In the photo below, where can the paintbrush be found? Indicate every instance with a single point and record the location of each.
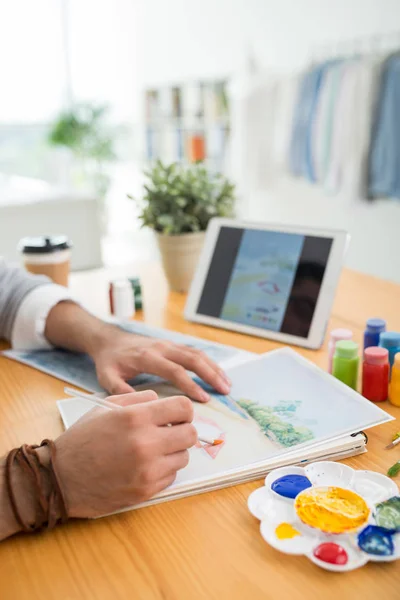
(105, 404)
(394, 442)
(90, 398)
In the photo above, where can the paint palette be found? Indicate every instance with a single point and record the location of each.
(338, 517)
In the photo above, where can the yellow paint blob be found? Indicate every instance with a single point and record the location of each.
(331, 509)
(285, 531)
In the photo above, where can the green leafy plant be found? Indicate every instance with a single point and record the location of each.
(182, 199)
(83, 130)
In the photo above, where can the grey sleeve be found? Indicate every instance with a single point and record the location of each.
(15, 284)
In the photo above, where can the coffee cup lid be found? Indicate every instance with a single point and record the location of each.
(44, 244)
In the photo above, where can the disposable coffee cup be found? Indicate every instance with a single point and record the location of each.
(48, 255)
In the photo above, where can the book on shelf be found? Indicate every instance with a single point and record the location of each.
(187, 122)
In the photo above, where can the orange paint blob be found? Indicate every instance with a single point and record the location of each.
(285, 531)
(332, 509)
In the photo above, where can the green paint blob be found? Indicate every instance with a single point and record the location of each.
(387, 514)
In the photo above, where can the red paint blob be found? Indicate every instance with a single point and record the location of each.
(331, 553)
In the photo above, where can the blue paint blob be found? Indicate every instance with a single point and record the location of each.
(290, 485)
(376, 540)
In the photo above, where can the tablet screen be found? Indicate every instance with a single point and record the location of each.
(265, 279)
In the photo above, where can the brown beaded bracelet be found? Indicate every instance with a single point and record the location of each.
(50, 508)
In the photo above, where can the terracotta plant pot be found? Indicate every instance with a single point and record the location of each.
(180, 255)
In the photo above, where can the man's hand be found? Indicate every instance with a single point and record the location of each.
(112, 459)
(121, 356)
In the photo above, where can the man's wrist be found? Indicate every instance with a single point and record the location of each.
(25, 494)
(8, 523)
(70, 326)
(100, 337)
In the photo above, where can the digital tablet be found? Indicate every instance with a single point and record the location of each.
(271, 281)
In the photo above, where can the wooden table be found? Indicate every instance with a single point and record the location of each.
(204, 547)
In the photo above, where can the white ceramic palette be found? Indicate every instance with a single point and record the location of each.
(368, 510)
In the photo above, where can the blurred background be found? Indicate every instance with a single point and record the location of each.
(93, 91)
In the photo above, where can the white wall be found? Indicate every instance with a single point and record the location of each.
(374, 227)
(183, 39)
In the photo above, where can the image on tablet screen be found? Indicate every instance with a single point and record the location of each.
(265, 279)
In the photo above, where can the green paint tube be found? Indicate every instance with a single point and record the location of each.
(137, 290)
(345, 362)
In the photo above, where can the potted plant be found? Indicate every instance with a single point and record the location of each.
(83, 130)
(178, 204)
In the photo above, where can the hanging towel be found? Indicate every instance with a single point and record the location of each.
(300, 158)
(340, 126)
(353, 162)
(384, 160)
(324, 118)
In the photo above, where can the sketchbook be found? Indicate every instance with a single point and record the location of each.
(282, 410)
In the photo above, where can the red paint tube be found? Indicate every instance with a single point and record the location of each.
(375, 380)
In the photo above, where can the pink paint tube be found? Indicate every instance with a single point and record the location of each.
(336, 336)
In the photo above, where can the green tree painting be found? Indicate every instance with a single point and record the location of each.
(274, 427)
